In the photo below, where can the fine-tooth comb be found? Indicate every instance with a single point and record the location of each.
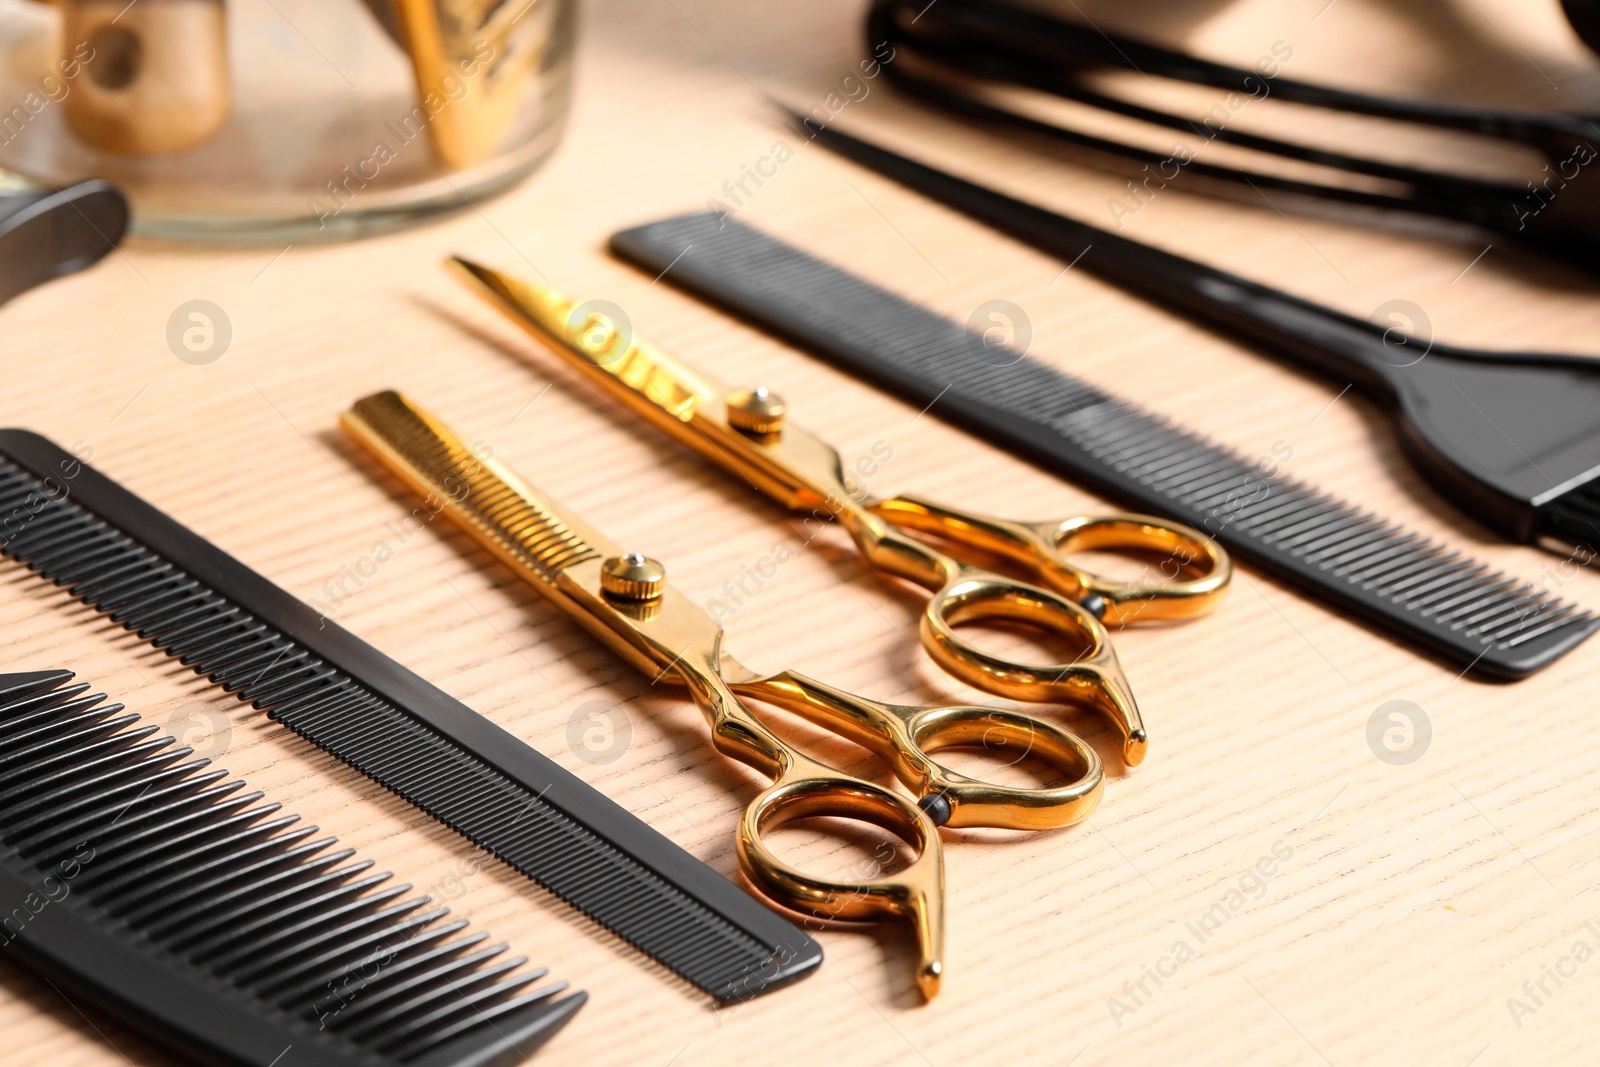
(203, 916)
(1441, 599)
(227, 623)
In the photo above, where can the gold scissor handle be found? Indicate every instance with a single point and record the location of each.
(906, 736)
(802, 788)
(1094, 680)
(1192, 570)
(809, 790)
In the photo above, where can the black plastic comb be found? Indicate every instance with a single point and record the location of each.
(1447, 602)
(124, 558)
(137, 878)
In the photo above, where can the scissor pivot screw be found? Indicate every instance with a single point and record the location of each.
(632, 577)
(936, 806)
(757, 411)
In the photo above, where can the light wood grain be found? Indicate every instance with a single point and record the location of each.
(1415, 900)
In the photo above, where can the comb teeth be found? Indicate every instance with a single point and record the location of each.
(474, 485)
(1454, 605)
(523, 810)
(1441, 589)
(297, 936)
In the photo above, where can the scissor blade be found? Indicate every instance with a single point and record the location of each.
(513, 520)
(794, 467)
(590, 338)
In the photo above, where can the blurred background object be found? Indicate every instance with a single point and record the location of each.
(987, 61)
(1585, 18)
(283, 120)
(46, 233)
(158, 82)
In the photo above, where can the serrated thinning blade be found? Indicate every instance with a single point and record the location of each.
(518, 522)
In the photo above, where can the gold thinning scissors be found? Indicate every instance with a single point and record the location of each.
(623, 599)
(745, 430)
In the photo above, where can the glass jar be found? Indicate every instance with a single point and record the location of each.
(283, 120)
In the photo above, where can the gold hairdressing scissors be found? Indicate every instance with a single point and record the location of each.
(623, 599)
(745, 430)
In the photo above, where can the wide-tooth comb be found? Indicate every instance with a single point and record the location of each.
(492, 498)
(203, 916)
(177, 591)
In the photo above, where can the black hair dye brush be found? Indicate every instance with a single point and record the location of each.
(1512, 438)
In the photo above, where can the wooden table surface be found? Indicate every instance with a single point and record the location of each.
(1409, 913)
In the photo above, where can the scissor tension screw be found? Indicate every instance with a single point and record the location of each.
(632, 577)
(755, 411)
